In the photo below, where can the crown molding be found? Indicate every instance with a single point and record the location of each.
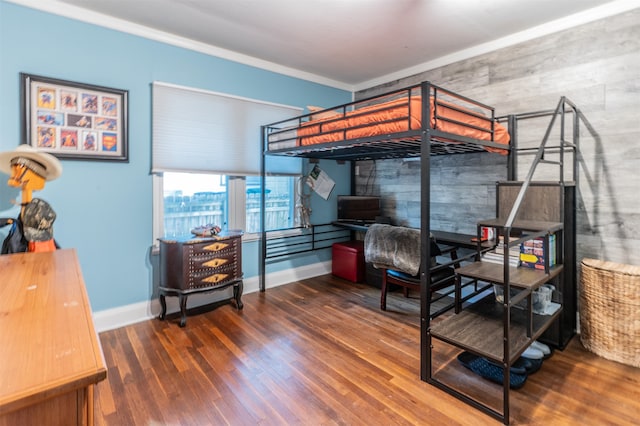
(77, 13)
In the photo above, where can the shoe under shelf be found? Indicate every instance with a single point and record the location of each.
(479, 328)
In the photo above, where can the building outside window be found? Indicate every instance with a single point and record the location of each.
(195, 199)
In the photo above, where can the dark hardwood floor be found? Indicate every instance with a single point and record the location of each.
(320, 352)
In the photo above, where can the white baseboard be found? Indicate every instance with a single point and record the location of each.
(121, 316)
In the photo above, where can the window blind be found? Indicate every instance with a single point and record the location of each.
(196, 130)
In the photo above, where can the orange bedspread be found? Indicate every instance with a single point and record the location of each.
(394, 117)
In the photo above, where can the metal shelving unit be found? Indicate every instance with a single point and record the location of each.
(502, 331)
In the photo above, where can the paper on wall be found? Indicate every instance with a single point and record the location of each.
(320, 182)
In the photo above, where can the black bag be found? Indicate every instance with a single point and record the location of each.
(15, 241)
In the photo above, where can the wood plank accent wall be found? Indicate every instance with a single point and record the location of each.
(597, 66)
(462, 189)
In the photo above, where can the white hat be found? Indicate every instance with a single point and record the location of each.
(52, 166)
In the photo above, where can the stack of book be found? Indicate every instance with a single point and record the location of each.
(494, 257)
(497, 255)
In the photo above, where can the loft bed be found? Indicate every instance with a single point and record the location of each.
(398, 124)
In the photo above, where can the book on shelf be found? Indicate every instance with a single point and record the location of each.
(513, 251)
(498, 258)
(532, 253)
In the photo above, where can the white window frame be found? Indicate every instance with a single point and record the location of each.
(237, 202)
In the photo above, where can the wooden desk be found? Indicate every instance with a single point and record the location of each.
(50, 355)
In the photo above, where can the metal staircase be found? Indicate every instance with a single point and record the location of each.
(526, 209)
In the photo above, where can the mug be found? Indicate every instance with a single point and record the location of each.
(487, 233)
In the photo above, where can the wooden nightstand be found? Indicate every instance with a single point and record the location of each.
(198, 265)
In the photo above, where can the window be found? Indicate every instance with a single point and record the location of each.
(194, 199)
(280, 203)
(206, 160)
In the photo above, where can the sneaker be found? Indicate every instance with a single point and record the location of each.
(532, 353)
(546, 350)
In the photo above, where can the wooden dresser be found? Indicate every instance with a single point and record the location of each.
(50, 355)
(196, 265)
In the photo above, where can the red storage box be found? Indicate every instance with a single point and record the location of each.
(348, 260)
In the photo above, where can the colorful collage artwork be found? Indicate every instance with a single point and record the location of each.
(76, 121)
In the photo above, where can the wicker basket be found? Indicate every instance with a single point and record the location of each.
(610, 310)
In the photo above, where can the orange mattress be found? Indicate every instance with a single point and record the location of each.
(394, 117)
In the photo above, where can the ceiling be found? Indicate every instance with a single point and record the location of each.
(344, 43)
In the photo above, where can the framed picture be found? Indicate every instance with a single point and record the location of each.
(74, 120)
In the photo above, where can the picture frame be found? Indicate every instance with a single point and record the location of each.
(74, 121)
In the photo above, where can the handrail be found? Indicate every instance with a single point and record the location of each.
(560, 110)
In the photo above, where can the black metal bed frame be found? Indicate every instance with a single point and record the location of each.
(423, 143)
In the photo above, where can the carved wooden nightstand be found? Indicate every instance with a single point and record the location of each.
(198, 265)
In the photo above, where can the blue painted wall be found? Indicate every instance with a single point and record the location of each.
(105, 209)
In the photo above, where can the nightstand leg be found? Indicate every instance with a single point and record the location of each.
(183, 310)
(237, 294)
(163, 303)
